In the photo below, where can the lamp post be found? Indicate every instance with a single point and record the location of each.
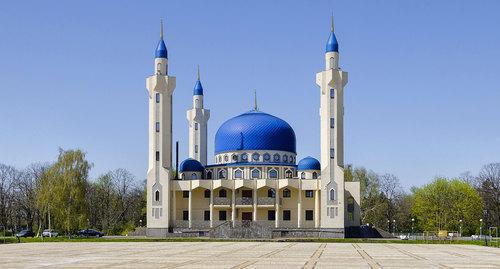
(460, 228)
(412, 220)
(480, 228)
(388, 226)
(394, 226)
(140, 223)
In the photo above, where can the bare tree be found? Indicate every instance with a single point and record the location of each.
(488, 186)
(7, 179)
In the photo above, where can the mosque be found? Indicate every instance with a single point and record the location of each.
(255, 178)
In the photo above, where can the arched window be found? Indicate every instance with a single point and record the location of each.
(209, 175)
(235, 157)
(183, 176)
(222, 174)
(207, 193)
(271, 193)
(255, 173)
(287, 193)
(220, 159)
(315, 175)
(276, 157)
(158, 68)
(350, 204)
(331, 62)
(194, 176)
(332, 194)
(288, 174)
(238, 174)
(303, 175)
(273, 173)
(267, 157)
(222, 193)
(157, 196)
(285, 158)
(226, 158)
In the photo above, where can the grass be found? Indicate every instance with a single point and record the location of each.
(204, 239)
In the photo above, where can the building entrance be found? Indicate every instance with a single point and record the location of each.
(246, 216)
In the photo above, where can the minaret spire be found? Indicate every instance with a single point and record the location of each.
(198, 74)
(161, 29)
(331, 25)
(255, 100)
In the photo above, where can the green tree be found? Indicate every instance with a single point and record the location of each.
(441, 205)
(63, 189)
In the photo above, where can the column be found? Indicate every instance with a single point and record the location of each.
(316, 208)
(277, 207)
(255, 201)
(211, 207)
(190, 209)
(299, 205)
(174, 208)
(233, 207)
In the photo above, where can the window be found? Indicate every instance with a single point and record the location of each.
(309, 194)
(226, 158)
(235, 157)
(350, 216)
(157, 97)
(195, 148)
(194, 176)
(244, 157)
(222, 193)
(332, 194)
(255, 156)
(157, 156)
(273, 173)
(350, 204)
(285, 158)
(157, 196)
(185, 215)
(309, 215)
(288, 174)
(238, 174)
(207, 193)
(255, 173)
(315, 175)
(303, 175)
(271, 193)
(331, 62)
(287, 215)
(222, 174)
(196, 126)
(332, 93)
(332, 153)
(185, 194)
(222, 215)
(290, 159)
(209, 175)
(271, 215)
(332, 122)
(206, 215)
(157, 127)
(220, 159)
(287, 193)
(276, 157)
(267, 157)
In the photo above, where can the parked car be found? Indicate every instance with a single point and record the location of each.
(25, 233)
(49, 233)
(90, 233)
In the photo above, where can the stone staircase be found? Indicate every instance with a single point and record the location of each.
(241, 230)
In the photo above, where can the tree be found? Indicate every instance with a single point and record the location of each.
(63, 189)
(488, 186)
(7, 179)
(441, 205)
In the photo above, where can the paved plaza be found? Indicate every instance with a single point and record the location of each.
(245, 255)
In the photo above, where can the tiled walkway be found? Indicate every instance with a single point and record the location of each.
(245, 255)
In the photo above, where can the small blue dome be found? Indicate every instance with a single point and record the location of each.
(309, 163)
(190, 165)
(332, 44)
(198, 89)
(255, 130)
(161, 50)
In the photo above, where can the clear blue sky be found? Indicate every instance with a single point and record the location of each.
(423, 97)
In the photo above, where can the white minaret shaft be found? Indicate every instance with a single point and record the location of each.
(331, 82)
(160, 88)
(198, 119)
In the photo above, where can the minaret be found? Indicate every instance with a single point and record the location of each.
(160, 88)
(331, 82)
(198, 118)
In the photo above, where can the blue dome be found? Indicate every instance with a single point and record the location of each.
(198, 89)
(161, 50)
(255, 130)
(332, 44)
(190, 165)
(309, 163)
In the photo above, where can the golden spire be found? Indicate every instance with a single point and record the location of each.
(161, 29)
(198, 76)
(331, 26)
(255, 100)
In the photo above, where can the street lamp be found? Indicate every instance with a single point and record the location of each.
(388, 226)
(480, 228)
(460, 228)
(140, 223)
(394, 226)
(412, 220)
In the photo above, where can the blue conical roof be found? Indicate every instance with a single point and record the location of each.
(198, 89)
(161, 50)
(332, 45)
